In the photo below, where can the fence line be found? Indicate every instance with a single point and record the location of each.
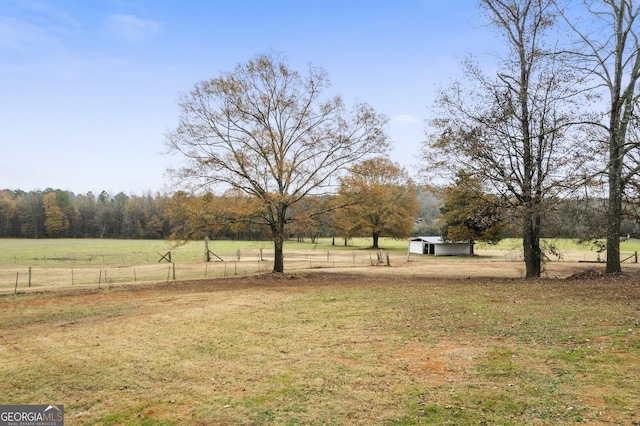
(73, 273)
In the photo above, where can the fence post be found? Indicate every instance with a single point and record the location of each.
(15, 291)
(174, 270)
(30, 273)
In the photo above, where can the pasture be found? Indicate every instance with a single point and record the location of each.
(32, 265)
(423, 341)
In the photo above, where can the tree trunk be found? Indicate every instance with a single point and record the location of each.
(375, 240)
(531, 243)
(278, 259)
(614, 211)
(277, 229)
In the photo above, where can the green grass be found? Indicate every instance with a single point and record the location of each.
(563, 244)
(95, 262)
(97, 252)
(320, 349)
(105, 251)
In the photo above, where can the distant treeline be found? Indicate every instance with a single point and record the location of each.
(55, 213)
(62, 214)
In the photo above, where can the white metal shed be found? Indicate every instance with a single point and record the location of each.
(436, 246)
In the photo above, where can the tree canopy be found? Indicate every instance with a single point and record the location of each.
(513, 129)
(607, 51)
(469, 213)
(379, 199)
(270, 132)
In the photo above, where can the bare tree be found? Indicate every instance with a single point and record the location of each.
(513, 131)
(269, 132)
(608, 50)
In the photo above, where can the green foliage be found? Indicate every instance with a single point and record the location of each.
(469, 213)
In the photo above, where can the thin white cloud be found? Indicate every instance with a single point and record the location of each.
(16, 34)
(49, 11)
(405, 118)
(131, 29)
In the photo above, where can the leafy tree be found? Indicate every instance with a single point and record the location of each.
(195, 217)
(379, 199)
(514, 130)
(55, 223)
(31, 214)
(610, 54)
(8, 214)
(469, 213)
(311, 217)
(270, 133)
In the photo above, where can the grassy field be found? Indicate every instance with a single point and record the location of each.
(36, 264)
(382, 346)
(27, 265)
(105, 251)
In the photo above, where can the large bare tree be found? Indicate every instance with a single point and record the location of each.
(271, 133)
(512, 130)
(608, 50)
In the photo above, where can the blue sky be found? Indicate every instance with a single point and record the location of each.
(88, 89)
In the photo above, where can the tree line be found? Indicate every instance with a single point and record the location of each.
(360, 208)
(54, 213)
(376, 199)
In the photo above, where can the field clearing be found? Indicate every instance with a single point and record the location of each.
(330, 347)
(33, 265)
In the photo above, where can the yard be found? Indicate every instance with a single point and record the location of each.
(429, 341)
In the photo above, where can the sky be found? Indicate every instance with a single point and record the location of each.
(88, 89)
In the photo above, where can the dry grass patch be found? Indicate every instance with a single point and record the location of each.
(329, 348)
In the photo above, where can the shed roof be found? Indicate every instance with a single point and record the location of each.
(436, 240)
(432, 240)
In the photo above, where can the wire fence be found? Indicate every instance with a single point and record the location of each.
(104, 270)
(99, 271)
